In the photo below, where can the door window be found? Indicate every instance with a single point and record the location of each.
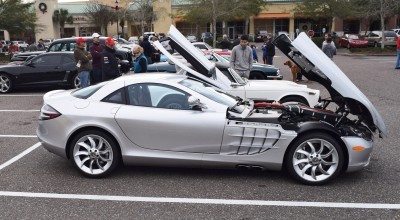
(157, 95)
(49, 60)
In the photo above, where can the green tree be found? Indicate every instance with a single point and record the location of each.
(101, 15)
(214, 11)
(62, 16)
(16, 16)
(328, 9)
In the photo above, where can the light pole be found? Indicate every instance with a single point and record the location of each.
(116, 10)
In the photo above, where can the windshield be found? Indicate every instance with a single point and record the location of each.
(211, 93)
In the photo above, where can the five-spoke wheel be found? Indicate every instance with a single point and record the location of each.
(5, 83)
(94, 153)
(315, 159)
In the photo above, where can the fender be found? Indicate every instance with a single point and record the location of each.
(316, 125)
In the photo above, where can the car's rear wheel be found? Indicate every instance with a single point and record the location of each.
(5, 83)
(294, 100)
(315, 159)
(94, 153)
(75, 81)
(257, 75)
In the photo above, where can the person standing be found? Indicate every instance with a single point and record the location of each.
(148, 49)
(82, 58)
(141, 60)
(12, 49)
(41, 45)
(255, 56)
(95, 51)
(236, 42)
(398, 54)
(327, 35)
(225, 43)
(329, 49)
(242, 57)
(269, 49)
(109, 61)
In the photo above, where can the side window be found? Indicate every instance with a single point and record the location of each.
(116, 97)
(49, 60)
(68, 60)
(158, 96)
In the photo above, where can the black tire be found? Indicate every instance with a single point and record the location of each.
(6, 83)
(316, 166)
(294, 100)
(257, 75)
(101, 156)
(75, 81)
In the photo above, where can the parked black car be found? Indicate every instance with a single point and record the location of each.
(68, 44)
(58, 68)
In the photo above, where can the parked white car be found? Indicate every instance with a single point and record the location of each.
(134, 39)
(21, 44)
(272, 90)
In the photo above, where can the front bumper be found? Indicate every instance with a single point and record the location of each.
(358, 159)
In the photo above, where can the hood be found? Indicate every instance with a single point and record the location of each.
(318, 67)
(204, 69)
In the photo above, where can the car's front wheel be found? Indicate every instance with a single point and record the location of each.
(315, 159)
(75, 81)
(5, 83)
(94, 153)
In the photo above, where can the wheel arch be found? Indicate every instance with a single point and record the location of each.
(313, 127)
(294, 96)
(75, 133)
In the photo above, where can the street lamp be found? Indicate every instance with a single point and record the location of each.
(116, 10)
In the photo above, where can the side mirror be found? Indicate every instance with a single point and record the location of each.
(235, 85)
(195, 104)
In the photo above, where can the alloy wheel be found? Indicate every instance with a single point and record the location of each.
(5, 83)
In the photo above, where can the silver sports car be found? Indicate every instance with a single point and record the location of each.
(180, 120)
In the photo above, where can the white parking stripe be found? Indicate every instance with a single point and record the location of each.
(18, 136)
(19, 156)
(19, 110)
(20, 95)
(203, 201)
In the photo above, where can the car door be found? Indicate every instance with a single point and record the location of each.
(158, 117)
(42, 69)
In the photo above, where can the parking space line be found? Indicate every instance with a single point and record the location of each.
(20, 95)
(33, 110)
(19, 156)
(203, 201)
(17, 136)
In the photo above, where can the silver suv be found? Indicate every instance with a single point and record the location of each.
(375, 38)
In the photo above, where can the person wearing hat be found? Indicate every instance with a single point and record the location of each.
(109, 61)
(95, 51)
(82, 59)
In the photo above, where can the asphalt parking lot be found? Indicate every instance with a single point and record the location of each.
(36, 184)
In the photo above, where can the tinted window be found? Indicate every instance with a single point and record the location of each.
(156, 95)
(49, 60)
(116, 97)
(63, 46)
(86, 92)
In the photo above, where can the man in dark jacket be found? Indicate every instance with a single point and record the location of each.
(148, 49)
(95, 51)
(225, 43)
(109, 61)
(82, 59)
(270, 49)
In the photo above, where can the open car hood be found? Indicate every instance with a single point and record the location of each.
(318, 67)
(202, 68)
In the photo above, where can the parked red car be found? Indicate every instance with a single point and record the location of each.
(352, 41)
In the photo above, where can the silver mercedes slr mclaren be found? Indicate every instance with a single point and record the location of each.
(185, 120)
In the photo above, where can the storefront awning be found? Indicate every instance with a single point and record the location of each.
(272, 15)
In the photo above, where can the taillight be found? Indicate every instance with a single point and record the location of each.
(47, 112)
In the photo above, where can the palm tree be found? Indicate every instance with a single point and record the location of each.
(62, 16)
